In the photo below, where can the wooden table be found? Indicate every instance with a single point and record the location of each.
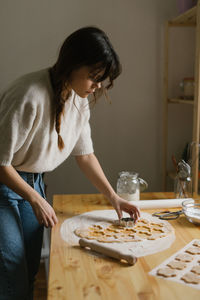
(74, 274)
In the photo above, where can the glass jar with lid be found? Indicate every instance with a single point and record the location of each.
(129, 185)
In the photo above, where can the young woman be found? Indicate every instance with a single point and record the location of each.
(44, 117)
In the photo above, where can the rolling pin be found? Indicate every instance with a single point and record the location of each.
(106, 250)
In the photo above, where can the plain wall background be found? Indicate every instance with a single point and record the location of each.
(127, 134)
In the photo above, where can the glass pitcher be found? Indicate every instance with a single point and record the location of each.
(129, 185)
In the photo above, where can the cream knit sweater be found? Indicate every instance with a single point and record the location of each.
(28, 139)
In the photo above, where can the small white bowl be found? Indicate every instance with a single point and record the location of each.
(191, 211)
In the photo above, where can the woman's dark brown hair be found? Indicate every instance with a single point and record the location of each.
(88, 46)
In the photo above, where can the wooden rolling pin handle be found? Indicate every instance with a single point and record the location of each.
(104, 249)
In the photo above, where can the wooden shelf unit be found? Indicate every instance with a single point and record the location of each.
(189, 18)
(180, 101)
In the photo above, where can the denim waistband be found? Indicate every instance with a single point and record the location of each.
(30, 178)
(35, 180)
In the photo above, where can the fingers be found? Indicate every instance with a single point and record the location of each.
(55, 219)
(45, 214)
(119, 213)
(45, 222)
(137, 211)
(131, 209)
(135, 214)
(50, 221)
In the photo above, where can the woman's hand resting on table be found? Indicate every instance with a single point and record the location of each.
(121, 205)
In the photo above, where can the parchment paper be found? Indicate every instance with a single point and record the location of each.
(160, 203)
(190, 265)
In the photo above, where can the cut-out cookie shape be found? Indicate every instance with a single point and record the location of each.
(143, 221)
(191, 278)
(185, 257)
(156, 224)
(179, 265)
(196, 243)
(196, 270)
(166, 272)
(193, 250)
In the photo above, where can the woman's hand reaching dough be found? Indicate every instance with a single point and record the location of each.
(121, 205)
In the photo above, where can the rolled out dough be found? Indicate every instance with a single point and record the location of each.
(140, 247)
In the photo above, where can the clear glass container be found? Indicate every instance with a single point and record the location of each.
(191, 211)
(129, 185)
(183, 187)
(183, 181)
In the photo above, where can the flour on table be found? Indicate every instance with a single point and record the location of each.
(148, 236)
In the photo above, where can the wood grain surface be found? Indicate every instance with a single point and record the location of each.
(76, 274)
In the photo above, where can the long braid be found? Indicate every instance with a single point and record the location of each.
(58, 115)
(60, 105)
(60, 97)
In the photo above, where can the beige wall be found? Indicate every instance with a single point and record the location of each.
(127, 133)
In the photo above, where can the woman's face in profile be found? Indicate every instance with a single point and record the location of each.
(84, 82)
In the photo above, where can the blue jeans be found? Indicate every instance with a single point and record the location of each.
(20, 241)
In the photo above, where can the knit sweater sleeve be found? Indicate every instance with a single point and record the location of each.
(17, 116)
(84, 144)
